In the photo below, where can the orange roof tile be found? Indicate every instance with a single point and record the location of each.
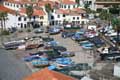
(43, 3)
(21, 1)
(5, 9)
(68, 2)
(62, 11)
(79, 10)
(46, 74)
(35, 13)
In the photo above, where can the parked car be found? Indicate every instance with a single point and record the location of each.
(67, 34)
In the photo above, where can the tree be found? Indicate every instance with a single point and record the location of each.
(116, 25)
(29, 12)
(3, 17)
(48, 8)
(78, 2)
(1, 20)
(115, 9)
(105, 15)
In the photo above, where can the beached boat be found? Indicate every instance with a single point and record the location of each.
(13, 44)
(39, 63)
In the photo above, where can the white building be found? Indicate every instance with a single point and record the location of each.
(74, 16)
(68, 4)
(20, 19)
(117, 70)
(17, 4)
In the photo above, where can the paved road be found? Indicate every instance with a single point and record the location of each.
(11, 68)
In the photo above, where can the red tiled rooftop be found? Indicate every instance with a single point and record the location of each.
(5, 9)
(46, 74)
(62, 11)
(36, 12)
(68, 2)
(79, 10)
(43, 3)
(20, 1)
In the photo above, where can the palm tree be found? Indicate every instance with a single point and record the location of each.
(4, 19)
(1, 20)
(116, 26)
(29, 12)
(106, 16)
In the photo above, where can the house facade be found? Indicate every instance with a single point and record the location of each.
(62, 11)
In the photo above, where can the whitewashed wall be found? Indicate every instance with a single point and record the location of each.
(116, 70)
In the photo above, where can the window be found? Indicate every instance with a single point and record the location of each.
(5, 3)
(52, 17)
(19, 18)
(64, 6)
(17, 6)
(24, 18)
(68, 6)
(8, 4)
(90, 2)
(73, 18)
(25, 25)
(78, 18)
(63, 15)
(74, 6)
(58, 16)
(21, 25)
(11, 4)
(41, 17)
(34, 17)
(21, 5)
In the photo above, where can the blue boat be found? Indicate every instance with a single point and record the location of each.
(30, 58)
(64, 61)
(39, 63)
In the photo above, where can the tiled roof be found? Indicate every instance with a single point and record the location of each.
(74, 11)
(21, 1)
(62, 11)
(35, 13)
(79, 10)
(43, 3)
(46, 74)
(68, 2)
(5, 9)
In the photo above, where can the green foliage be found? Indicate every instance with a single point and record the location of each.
(78, 2)
(20, 31)
(3, 16)
(28, 30)
(48, 8)
(86, 5)
(105, 15)
(29, 11)
(5, 32)
(116, 24)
